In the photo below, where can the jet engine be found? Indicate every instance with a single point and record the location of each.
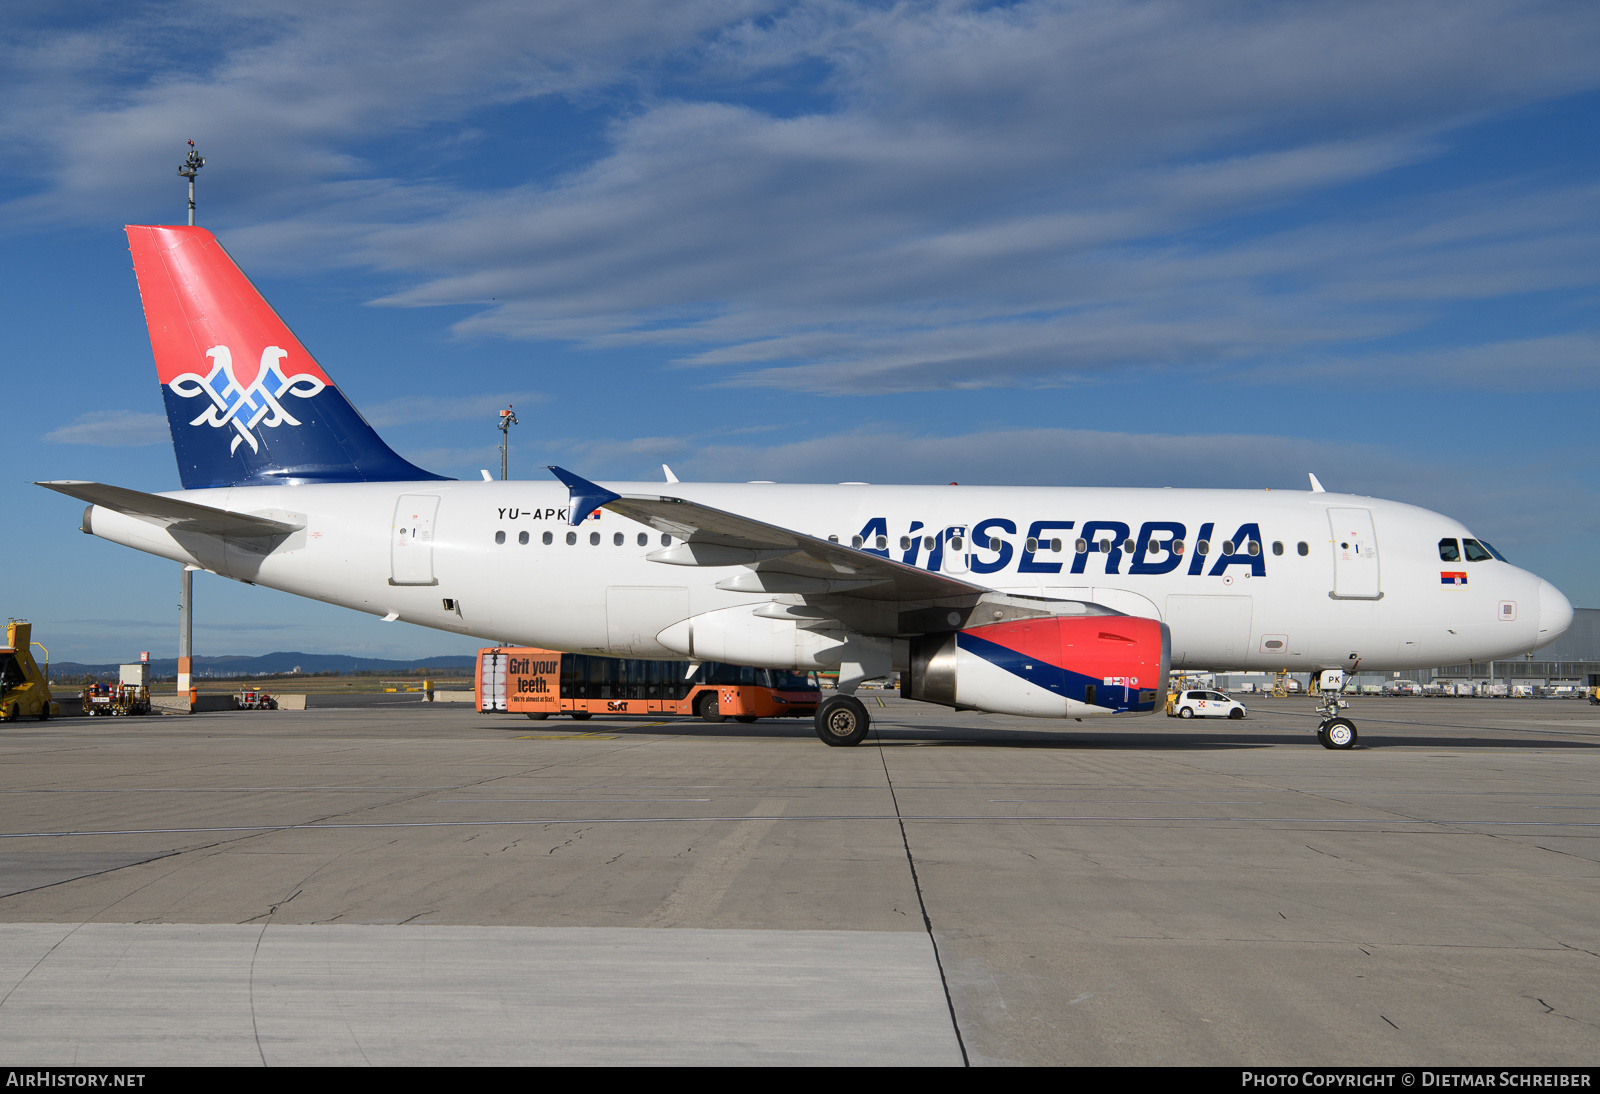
(1051, 667)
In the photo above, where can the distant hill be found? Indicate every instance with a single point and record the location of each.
(276, 664)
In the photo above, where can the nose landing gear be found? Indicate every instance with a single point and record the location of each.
(1335, 731)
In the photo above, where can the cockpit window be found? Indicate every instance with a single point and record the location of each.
(1487, 546)
(1449, 550)
(1475, 551)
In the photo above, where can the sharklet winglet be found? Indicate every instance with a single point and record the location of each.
(584, 497)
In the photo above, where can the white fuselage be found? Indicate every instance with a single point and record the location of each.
(1380, 599)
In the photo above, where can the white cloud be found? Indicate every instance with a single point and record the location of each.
(113, 429)
(848, 198)
(448, 408)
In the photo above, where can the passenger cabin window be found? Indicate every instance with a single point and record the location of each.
(499, 537)
(594, 539)
(1277, 546)
(1449, 551)
(1304, 548)
(905, 543)
(1475, 551)
(548, 539)
(522, 538)
(572, 537)
(644, 539)
(616, 540)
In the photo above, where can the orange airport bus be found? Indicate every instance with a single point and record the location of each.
(539, 683)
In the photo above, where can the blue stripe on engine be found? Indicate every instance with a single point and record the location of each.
(1054, 678)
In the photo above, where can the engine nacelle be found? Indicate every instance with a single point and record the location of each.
(1056, 667)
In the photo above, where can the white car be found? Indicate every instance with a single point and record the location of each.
(1206, 704)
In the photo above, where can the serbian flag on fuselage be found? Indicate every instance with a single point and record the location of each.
(1453, 577)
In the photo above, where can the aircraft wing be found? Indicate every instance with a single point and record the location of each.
(778, 559)
(171, 513)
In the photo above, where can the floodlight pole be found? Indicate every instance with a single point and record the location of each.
(190, 167)
(507, 420)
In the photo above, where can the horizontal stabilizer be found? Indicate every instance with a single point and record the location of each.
(171, 513)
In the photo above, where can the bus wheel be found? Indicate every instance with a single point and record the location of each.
(745, 718)
(580, 715)
(538, 716)
(711, 709)
(842, 720)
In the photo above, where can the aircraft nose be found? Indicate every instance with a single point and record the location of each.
(1555, 613)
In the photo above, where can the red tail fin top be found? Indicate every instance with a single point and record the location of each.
(197, 300)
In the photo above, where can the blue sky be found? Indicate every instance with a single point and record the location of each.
(1165, 244)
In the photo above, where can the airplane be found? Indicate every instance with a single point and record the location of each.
(1042, 602)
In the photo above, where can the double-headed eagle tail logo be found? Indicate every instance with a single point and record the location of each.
(245, 408)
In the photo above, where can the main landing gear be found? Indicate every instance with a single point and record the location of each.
(1335, 730)
(842, 720)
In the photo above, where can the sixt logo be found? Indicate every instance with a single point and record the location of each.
(243, 407)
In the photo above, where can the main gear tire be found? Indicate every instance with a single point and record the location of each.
(842, 721)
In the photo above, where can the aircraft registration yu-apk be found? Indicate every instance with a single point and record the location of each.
(1047, 603)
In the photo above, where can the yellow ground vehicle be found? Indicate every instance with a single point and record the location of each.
(23, 688)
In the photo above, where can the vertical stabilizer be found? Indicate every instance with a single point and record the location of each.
(247, 405)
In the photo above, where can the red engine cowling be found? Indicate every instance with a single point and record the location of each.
(1056, 667)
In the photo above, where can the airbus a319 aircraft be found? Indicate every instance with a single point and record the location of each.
(1047, 603)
